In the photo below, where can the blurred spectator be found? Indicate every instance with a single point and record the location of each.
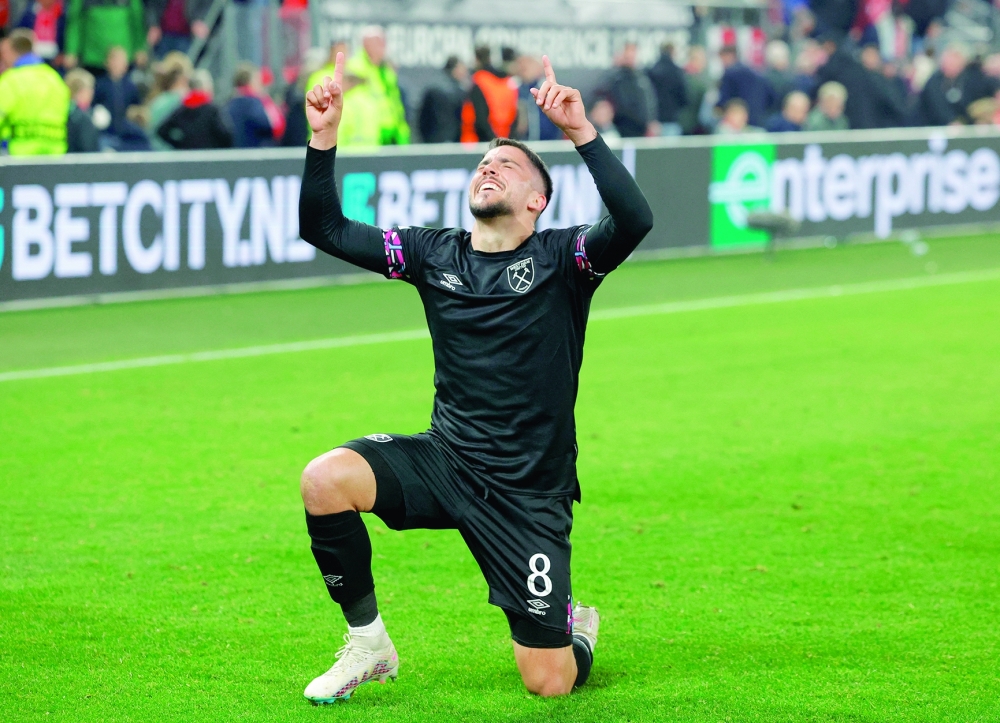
(806, 63)
(893, 90)
(793, 114)
(740, 81)
(172, 84)
(985, 111)
(371, 66)
(48, 21)
(924, 13)
(95, 26)
(197, 123)
(828, 115)
(695, 88)
(255, 119)
(508, 60)
(174, 23)
(834, 18)
(81, 135)
(34, 100)
(360, 122)
(632, 96)
(440, 118)
(778, 72)
(870, 102)
(296, 128)
(115, 90)
(671, 92)
(491, 109)
(602, 115)
(532, 124)
(735, 119)
(949, 92)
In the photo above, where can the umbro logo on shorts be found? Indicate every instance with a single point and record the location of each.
(537, 607)
(378, 437)
(334, 580)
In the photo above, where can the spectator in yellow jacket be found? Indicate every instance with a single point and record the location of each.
(34, 100)
(370, 65)
(359, 121)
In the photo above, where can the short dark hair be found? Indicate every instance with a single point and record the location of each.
(728, 50)
(451, 63)
(483, 55)
(21, 41)
(244, 74)
(537, 162)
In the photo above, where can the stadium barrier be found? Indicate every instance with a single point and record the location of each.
(78, 228)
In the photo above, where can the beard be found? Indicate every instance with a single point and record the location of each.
(486, 211)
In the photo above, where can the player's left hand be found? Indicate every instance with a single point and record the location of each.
(564, 107)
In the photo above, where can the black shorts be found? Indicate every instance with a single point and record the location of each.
(520, 540)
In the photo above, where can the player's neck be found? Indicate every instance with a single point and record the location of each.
(503, 233)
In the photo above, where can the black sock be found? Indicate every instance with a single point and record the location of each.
(343, 552)
(361, 612)
(584, 660)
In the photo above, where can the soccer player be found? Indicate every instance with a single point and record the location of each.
(507, 311)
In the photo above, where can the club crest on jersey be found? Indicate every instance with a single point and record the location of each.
(520, 274)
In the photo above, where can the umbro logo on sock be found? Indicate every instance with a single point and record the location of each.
(334, 580)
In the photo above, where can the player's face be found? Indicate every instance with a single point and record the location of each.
(504, 184)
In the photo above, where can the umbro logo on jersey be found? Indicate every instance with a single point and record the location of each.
(378, 437)
(334, 580)
(537, 607)
(520, 274)
(451, 281)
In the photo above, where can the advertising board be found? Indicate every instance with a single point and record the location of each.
(96, 225)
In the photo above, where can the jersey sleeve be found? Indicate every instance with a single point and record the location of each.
(393, 252)
(600, 248)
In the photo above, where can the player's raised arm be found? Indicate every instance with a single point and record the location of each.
(321, 219)
(629, 219)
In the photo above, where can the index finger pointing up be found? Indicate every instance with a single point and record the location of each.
(550, 75)
(338, 69)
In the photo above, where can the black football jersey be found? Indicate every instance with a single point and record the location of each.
(507, 327)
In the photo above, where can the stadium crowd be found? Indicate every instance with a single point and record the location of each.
(89, 76)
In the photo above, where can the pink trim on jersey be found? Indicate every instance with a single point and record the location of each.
(394, 254)
(582, 262)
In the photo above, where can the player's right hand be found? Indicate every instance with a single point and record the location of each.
(324, 105)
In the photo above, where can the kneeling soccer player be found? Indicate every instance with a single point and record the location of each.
(507, 309)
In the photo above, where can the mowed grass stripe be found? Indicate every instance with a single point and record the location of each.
(673, 307)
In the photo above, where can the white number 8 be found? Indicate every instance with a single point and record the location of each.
(537, 574)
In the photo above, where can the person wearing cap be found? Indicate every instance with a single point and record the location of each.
(370, 65)
(34, 100)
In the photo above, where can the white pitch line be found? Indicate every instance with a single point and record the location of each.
(203, 356)
(673, 307)
(813, 292)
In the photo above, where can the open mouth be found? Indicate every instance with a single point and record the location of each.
(488, 186)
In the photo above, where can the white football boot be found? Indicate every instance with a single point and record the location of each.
(586, 621)
(357, 663)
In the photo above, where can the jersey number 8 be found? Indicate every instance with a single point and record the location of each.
(539, 565)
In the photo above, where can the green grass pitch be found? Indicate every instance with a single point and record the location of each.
(791, 511)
